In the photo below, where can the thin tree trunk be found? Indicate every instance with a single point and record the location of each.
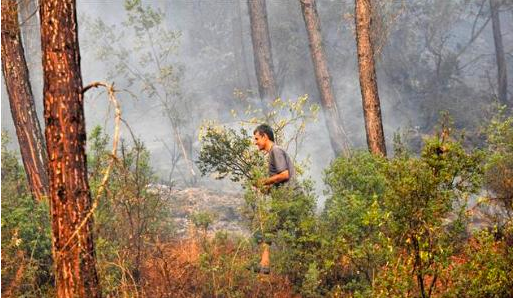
(333, 122)
(21, 100)
(368, 82)
(262, 50)
(31, 39)
(502, 78)
(244, 51)
(238, 44)
(30, 33)
(70, 198)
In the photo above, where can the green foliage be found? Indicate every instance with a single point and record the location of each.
(146, 68)
(152, 47)
(131, 215)
(225, 270)
(390, 227)
(228, 153)
(406, 213)
(292, 226)
(288, 118)
(424, 190)
(311, 283)
(202, 220)
(26, 236)
(487, 268)
(499, 164)
(426, 198)
(223, 276)
(284, 216)
(355, 220)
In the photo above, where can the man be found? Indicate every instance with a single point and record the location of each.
(281, 172)
(281, 168)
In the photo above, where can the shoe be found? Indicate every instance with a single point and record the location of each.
(264, 270)
(257, 268)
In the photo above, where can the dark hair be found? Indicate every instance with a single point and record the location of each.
(265, 129)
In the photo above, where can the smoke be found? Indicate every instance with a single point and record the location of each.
(215, 54)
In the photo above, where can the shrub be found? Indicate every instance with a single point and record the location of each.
(354, 221)
(131, 215)
(26, 234)
(486, 268)
(393, 224)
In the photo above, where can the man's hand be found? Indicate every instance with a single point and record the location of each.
(283, 176)
(265, 184)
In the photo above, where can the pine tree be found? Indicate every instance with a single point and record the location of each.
(70, 197)
(21, 101)
(368, 81)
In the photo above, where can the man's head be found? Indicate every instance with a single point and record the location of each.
(263, 136)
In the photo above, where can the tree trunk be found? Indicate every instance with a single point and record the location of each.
(368, 82)
(30, 33)
(21, 100)
(31, 39)
(333, 122)
(70, 198)
(262, 50)
(502, 78)
(239, 49)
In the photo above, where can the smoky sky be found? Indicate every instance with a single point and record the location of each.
(215, 51)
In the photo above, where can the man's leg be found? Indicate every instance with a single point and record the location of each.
(265, 261)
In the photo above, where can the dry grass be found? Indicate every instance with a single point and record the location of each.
(207, 267)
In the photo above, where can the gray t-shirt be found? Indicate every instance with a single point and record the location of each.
(279, 161)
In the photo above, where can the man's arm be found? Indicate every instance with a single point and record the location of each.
(280, 177)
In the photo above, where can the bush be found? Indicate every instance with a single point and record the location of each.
(131, 216)
(392, 225)
(228, 153)
(485, 269)
(499, 164)
(26, 234)
(354, 222)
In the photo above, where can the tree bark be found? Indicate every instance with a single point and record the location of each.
(70, 198)
(368, 82)
(262, 50)
(329, 105)
(502, 78)
(21, 100)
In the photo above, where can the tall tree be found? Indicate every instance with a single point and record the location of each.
(333, 122)
(70, 197)
(21, 100)
(368, 82)
(502, 78)
(262, 49)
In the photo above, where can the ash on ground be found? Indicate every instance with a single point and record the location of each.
(224, 206)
